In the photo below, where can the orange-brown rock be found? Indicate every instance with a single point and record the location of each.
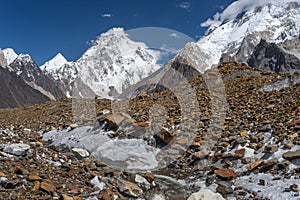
(2, 174)
(36, 186)
(47, 187)
(149, 177)
(255, 164)
(66, 197)
(293, 123)
(226, 173)
(33, 178)
(240, 153)
(74, 189)
(142, 124)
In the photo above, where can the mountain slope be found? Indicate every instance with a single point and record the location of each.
(269, 56)
(16, 93)
(28, 70)
(235, 33)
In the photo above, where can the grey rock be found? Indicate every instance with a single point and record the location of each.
(80, 153)
(291, 155)
(271, 148)
(270, 163)
(265, 128)
(224, 190)
(224, 184)
(17, 149)
(142, 182)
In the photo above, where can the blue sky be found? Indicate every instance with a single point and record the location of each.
(44, 28)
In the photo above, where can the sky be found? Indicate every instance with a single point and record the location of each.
(45, 28)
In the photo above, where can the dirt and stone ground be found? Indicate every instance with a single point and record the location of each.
(260, 136)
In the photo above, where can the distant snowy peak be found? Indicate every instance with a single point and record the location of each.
(9, 55)
(55, 63)
(116, 42)
(114, 62)
(279, 20)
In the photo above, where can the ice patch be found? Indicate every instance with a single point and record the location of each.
(280, 84)
(133, 154)
(273, 189)
(95, 181)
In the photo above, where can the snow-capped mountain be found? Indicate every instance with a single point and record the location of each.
(114, 62)
(111, 64)
(234, 34)
(261, 33)
(55, 63)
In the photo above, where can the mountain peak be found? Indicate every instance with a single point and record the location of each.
(115, 38)
(115, 61)
(56, 62)
(114, 32)
(9, 55)
(24, 58)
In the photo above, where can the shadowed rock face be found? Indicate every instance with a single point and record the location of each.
(29, 71)
(16, 93)
(255, 51)
(184, 67)
(268, 56)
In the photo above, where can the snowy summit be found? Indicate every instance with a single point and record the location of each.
(9, 55)
(55, 63)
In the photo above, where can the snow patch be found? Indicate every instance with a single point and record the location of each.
(273, 189)
(133, 154)
(281, 84)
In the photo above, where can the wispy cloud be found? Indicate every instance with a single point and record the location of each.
(89, 42)
(210, 22)
(221, 7)
(174, 35)
(106, 15)
(185, 5)
(169, 50)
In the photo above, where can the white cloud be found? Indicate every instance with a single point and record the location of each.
(184, 5)
(222, 7)
(175, 35)
(106, 15)
(89, 42)
(169, 50)
(239, 6)
(210, 22)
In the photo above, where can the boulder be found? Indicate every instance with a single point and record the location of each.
(17, 149)
(205, 194)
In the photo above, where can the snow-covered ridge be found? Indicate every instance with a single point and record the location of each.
(279, 20)
(240, 6)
